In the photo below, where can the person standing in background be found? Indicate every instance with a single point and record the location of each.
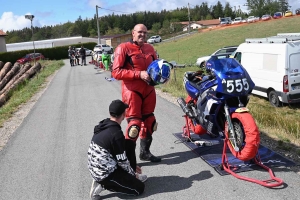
(70, 54)
(83, 55)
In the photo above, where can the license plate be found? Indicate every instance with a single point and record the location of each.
(296, 87)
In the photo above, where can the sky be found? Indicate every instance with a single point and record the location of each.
(53, 12)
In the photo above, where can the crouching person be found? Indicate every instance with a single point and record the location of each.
(107, 160)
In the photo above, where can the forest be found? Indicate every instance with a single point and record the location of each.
(157, 22)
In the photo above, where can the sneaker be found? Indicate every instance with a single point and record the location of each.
(141, 177)
(96, 189)
(96, 197)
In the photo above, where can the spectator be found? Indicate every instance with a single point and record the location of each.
(70, 53)
(82, 54)
(107, 161)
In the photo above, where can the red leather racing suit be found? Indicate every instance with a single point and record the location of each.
(129, 60)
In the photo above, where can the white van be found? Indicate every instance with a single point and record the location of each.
(273, 63)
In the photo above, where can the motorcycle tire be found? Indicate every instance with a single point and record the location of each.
(247, 130)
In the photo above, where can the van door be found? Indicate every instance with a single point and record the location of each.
(294, 75)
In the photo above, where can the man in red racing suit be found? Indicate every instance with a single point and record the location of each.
(131, 60)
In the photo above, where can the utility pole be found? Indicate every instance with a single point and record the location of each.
(189, 27)
(99, 40)
(30, 17)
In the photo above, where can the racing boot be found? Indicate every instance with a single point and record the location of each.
(145, 153)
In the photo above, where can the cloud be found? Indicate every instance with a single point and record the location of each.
(9, 22)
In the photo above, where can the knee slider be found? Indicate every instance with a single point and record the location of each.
(133, 131)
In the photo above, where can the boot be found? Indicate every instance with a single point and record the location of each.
(145, 153)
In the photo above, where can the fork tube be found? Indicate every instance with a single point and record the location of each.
(230, 127)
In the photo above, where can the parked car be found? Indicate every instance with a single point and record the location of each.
(288, 13)
(297, 11)
(154, 39)
(224, 52)
(88, 52)
(252, 19)
(237, 20)
(265, 17)
(30, 57)
(225, 20)
(103, 47)
(277, 15)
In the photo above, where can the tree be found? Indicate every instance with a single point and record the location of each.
(284, 5)
(228, 11)
(155, 28)
(114, 31)
(261, 7)
(217, 10)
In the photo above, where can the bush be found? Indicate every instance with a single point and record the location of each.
(55, 53)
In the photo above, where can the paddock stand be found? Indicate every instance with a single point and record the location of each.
(273, 182)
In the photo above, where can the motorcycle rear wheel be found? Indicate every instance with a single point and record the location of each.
(247, 136)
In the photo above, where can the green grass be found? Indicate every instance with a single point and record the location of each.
(283, 123)
(25, 91)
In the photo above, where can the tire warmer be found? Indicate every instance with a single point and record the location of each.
(249, 152)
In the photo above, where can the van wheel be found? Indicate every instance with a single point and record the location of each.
(273, 98)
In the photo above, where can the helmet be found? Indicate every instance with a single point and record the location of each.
(159, 71)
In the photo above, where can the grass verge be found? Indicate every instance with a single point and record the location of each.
(25, 91)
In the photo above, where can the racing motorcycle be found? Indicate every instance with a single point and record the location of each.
(216, 105)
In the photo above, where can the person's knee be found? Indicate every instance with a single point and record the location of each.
(133, 129)
(150, 123)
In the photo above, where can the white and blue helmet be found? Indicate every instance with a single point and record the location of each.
(159, 71)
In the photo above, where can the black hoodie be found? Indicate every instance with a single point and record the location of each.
(107, 150)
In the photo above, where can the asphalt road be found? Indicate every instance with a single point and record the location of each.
(46, 158)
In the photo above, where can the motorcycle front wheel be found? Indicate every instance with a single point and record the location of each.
(247, 136)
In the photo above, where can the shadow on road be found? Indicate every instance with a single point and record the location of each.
(164, 184)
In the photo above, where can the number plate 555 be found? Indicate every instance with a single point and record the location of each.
(235, 86)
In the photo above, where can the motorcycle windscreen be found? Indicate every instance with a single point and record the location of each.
(233, 79)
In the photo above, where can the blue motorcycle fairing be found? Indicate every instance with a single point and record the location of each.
(191, 90)
(231, 85)
(233, 79)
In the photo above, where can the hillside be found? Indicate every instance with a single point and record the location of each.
(188, 49)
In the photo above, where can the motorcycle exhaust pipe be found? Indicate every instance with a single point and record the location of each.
(188, 111)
